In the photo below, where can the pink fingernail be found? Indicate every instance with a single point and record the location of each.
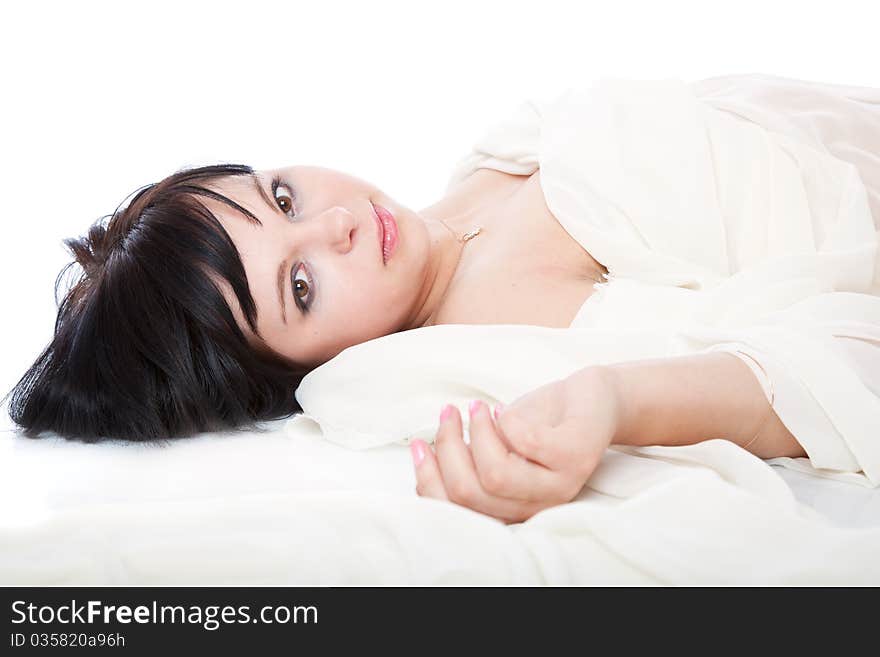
(497, 410)
(474, 406)
(417, 449)
(446, 412)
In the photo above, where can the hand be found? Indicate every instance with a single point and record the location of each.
(537, 453)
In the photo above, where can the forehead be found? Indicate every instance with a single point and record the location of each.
(253, 194)
(241, 189)
(245, 235)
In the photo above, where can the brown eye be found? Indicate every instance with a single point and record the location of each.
(285, 203)
(300, 288)
(283, 197)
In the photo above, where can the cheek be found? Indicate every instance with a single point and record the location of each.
(372, 309)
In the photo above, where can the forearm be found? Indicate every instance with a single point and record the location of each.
(687, 399)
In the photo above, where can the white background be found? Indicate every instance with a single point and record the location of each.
(100, 98)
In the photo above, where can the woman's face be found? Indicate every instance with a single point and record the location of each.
(315, 267)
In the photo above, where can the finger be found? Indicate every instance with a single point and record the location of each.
(454, 459)
(429, 482)
(495, 411)
(503, 473)
(524, 439)
(460, 474)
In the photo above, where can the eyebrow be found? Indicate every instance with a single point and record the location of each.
(282, 267)
(255, 178)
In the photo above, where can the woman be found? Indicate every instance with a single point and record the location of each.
(209, 296)
(144, 350)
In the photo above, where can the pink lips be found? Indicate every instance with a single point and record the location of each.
(388, 235)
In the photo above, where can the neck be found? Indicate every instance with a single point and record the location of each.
(466, 206)
(444, 265)
(446, 221)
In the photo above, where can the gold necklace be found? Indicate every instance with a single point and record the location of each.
(479, 229)
(467, 236)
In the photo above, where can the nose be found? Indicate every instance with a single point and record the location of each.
(333, 228)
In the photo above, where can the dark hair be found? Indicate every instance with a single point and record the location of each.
(145, 346)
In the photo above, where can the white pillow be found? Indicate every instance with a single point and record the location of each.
(392, 388)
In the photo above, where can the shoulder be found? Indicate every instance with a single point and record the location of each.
(488, 183)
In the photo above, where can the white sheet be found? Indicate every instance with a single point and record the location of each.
(288, 507)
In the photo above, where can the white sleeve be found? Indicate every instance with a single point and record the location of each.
(822, 357)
